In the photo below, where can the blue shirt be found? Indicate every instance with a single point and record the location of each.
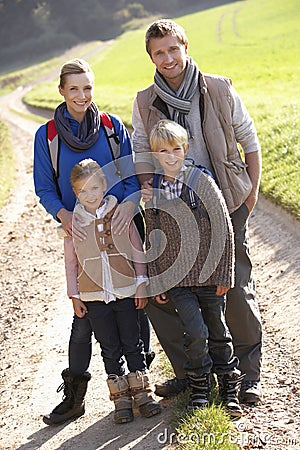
(124, 186)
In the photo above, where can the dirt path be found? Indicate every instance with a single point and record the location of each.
(36, 316)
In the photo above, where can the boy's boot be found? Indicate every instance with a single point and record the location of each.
(200, 390)
(120, 394)
(140, 390)
(72, 405)
(229, 386)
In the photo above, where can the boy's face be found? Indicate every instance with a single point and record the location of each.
(170, 157)
(90, 191)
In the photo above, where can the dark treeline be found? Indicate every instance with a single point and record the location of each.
(33, 29)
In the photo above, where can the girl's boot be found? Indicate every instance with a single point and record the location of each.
(72, 405)
(120, 394)
(140, 390)
(200, 390)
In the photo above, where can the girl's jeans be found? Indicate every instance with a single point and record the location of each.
(208, 342)
(116, 328)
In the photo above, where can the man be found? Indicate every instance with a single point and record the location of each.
(216, 120)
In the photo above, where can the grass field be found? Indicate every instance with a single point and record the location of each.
(254, 42)
(257, 44)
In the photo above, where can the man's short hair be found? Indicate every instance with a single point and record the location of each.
(164, 27)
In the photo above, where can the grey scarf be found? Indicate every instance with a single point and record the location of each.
(88, 130)
(179, 102)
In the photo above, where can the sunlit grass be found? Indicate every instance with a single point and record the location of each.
(256, 43)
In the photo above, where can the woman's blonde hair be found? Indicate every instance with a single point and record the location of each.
(86, 168)
(73, 67)
(168, 131)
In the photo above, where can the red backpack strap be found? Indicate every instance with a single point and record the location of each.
(112, 136)
(53, 144)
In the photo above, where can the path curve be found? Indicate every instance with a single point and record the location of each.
(36, 316)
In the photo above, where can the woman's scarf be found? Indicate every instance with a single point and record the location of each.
(88, 130)
(179, 102)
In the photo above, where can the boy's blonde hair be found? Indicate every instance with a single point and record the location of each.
(86, 168)
(74, 67)
(168, 131)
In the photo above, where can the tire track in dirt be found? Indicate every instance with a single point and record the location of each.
(36, 317)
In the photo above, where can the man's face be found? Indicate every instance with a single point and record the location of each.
(169, 57)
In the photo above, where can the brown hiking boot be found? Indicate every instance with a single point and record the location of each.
(120, 395)
(140, 390)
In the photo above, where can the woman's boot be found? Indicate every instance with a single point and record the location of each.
(140, 390)
(119, 393)
(72, 405)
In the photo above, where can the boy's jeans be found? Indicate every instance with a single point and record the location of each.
(208, 342)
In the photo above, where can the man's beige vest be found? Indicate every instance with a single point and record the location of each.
(218, 133)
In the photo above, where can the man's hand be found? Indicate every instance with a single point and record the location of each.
(147, 191)
(250, 202)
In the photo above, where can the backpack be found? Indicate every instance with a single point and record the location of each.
(54, 143)
(189, 187)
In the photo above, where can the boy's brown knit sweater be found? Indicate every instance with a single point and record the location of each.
(190, 247)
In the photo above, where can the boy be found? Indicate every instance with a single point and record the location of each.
(195, 267)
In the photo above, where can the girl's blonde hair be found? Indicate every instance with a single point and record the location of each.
(86, 168)
(73, 67)
(168, 131)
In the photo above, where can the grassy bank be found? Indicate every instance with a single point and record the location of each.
(254, 42)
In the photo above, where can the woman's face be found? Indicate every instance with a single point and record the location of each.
(78, 93)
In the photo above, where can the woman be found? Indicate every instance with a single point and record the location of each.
(81, 136)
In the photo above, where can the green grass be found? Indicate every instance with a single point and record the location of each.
(257, 44)
(254, 42)
(7, 164)
(23, 75)
(209, 428)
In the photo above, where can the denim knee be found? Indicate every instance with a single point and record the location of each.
(81, 332)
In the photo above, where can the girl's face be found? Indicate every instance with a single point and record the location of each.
(78, 93)
(90, 191)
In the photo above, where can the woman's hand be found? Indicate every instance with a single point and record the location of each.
(123, 216)
(70, 225)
